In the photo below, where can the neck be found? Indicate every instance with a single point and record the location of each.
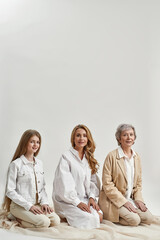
(80, 152)
(30, 157)
(127, 151)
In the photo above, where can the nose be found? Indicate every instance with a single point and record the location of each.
(128, 136)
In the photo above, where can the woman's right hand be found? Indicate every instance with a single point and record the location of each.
(130, 207)
(35, 210)
(83, 207)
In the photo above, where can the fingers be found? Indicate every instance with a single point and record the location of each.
(46, 209)
(97, 207)
(84, 207)
(143, 208)
(35, 210)
(130, 207)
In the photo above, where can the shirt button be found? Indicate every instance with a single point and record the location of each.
(38, 181)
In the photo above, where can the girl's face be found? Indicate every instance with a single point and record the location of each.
(80, 138)
(33, 145)
(127, 138)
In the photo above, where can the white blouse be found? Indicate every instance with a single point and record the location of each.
(73, 179)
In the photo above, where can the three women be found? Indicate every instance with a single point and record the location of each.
(76, 185)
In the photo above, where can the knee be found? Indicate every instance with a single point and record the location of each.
(135, 220)
(43, 222)
(148, 219)
(55, 220)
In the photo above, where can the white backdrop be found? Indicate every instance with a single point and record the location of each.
(96, 62)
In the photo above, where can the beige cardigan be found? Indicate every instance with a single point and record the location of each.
(114, 185)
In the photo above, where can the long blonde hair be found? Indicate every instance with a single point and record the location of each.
(21, 150)
(88, 149)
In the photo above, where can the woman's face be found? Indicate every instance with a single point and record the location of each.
(33, 145)
(127, 138)
(80, 139)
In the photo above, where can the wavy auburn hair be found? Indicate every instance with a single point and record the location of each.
(88, 149)
(21, 150)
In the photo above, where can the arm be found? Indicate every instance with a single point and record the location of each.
(64, 184)
(44, 197)
(94, 186)
(11, 188)
(111, 191)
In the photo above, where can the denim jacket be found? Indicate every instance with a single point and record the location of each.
(24, 181)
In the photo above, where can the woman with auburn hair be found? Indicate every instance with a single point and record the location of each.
(26, 198)
(121, 195)
(76, 185)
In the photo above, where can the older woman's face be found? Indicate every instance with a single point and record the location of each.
(127, 138)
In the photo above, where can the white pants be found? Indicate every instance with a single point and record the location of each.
(31, 220)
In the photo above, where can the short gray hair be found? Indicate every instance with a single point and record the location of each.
(121, 128)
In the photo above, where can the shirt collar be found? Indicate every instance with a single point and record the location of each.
(25, 161)
(121, 153)
(75, 152)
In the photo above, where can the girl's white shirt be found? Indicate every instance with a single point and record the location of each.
(73, 180)
(22, 179)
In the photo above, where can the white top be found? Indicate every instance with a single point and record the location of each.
(25, 180)
(129, 164)
(73, 179)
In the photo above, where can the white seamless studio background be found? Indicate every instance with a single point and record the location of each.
(96, 62)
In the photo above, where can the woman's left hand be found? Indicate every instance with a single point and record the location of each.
(46, 209)
(93, 204)
(141, 205)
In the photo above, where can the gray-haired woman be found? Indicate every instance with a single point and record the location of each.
(121, 198)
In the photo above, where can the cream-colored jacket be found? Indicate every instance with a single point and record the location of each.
(114, 185)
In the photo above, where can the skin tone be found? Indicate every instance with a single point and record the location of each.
(32, 147)
(126, 140)
(81, 141)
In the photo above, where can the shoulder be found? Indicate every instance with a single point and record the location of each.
(67, 155)
(17, 162)
(111, 157)
(113, 154)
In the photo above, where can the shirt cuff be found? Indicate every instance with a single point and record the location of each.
(28, 206)
(91, 195)
(76, 202)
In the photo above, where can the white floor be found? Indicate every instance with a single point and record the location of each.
(7, 235)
